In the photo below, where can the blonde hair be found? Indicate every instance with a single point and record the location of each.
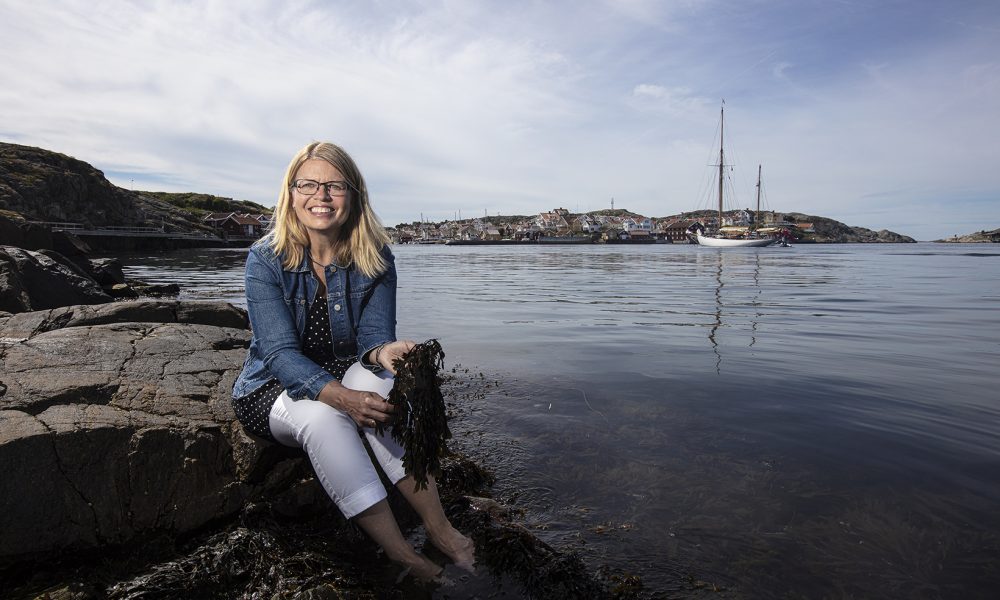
(361, 238)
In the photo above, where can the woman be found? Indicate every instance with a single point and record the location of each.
(321, 294)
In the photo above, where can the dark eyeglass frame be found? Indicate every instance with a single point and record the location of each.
(333, 188)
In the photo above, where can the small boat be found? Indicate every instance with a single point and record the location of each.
(719, 239)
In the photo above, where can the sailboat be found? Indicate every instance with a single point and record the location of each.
(718, 240)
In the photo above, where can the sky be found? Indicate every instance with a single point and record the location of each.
(877, 113)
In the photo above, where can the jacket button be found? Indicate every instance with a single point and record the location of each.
(333, 269)
(336, 307)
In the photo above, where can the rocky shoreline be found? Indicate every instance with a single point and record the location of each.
(128, 476)
(979, 237)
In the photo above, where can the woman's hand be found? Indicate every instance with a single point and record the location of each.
(366, 408)
(390, 352)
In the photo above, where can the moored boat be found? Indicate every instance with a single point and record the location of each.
(719, 238)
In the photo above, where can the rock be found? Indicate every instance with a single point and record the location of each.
(106, 271)
(831, 231)
(979, 237)
(41, 280)
(42, 185)
(120, 291)
(69, 245)
(48, 186)
(117, 424)
(20, 233)
(156, 289)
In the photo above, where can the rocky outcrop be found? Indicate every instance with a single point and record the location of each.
(830, 231)
(979, 237)
(117, 424)
(41, 185)
(20, 233)
(31, 280)
(47, 186)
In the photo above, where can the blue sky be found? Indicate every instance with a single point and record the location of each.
(881, 114)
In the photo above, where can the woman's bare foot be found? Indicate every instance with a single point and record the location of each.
(460, 549)
(420, 567)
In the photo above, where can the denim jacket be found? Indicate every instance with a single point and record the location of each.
(362, 316)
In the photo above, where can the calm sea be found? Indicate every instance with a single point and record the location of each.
(816, 422)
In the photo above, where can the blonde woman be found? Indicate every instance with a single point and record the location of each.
(321, 294)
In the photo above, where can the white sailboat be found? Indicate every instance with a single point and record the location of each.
(718, 240)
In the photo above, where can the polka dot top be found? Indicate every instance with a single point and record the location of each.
(253, 409)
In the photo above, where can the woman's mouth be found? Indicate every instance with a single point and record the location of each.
(321, 210)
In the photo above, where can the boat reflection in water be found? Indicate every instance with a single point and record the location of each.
(739, 300)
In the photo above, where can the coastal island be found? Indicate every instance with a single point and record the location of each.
(54, 201)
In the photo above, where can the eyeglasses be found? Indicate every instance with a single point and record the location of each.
(308, 187)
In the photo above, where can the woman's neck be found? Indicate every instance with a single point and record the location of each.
(322, 251)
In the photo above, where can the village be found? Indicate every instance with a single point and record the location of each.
(557, 225)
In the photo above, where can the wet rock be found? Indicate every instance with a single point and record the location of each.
(31, 280)
(121, 291)
(156, 289)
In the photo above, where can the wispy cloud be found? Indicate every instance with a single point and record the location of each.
(519, 107)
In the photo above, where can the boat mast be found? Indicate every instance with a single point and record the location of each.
(756, 217)
(722, 161)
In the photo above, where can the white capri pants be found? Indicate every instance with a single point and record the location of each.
(331, 439)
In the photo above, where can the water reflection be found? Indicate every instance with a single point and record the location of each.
(736, 297)
(202, 273)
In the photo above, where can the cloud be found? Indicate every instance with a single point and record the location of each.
(473, 106)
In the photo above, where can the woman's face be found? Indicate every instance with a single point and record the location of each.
(324, 212)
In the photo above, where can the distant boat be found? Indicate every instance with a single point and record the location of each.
(719, 239)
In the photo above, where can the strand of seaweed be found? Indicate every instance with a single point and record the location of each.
(421, 423)
(587, 401)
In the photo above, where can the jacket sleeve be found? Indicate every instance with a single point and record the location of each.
(275, 332)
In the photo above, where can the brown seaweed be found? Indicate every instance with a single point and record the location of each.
(421, 423)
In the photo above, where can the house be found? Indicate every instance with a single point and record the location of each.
(737, 218)
(676, 231)
(553, 221)
(586, 224)
(632, 224)
(492, 234)
(233, 225)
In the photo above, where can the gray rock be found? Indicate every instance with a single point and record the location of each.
(106, 271)
(22, 234)
(115, 423)
(41, 280)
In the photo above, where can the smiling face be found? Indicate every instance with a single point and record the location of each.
(321, 214)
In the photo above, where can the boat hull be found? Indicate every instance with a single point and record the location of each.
(729, 243)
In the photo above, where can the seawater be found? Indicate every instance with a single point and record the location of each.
(818, 421)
